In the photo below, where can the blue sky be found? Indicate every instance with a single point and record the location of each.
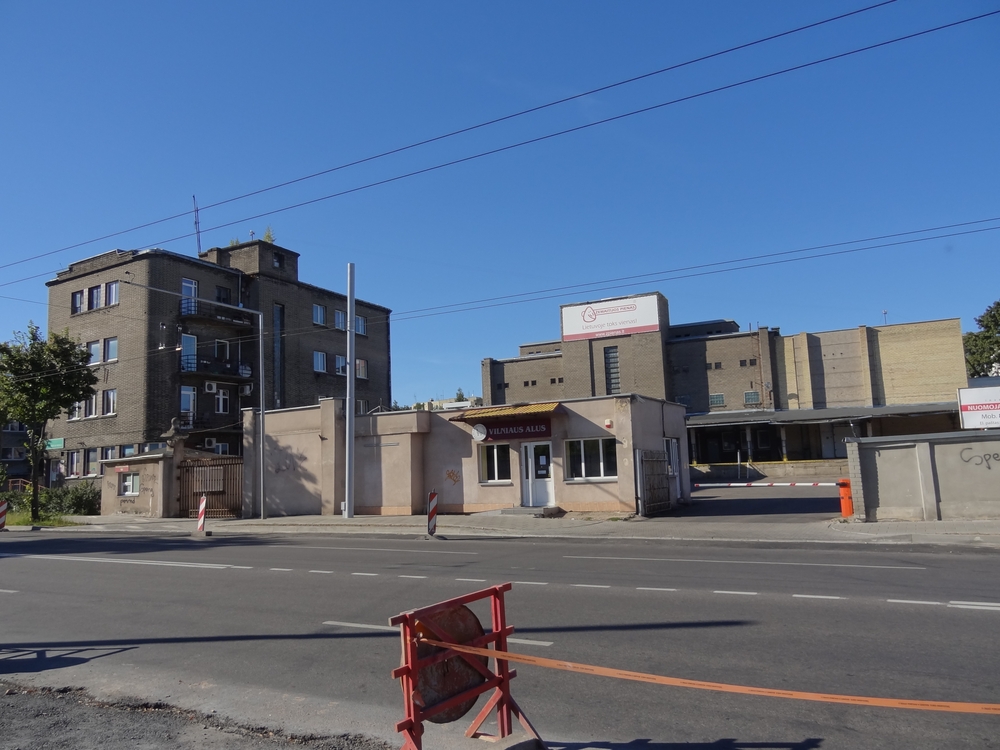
(115, 113)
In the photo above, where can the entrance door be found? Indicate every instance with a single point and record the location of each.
(536, 477)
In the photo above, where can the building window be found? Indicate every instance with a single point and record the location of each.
(128, 451)
(753, 362)
(362, 406)
(552, 381)
(534, 382)
(74, 411)
(109, 401)
(361, 325)
(361, 368)
(499, 386)
(76, 302)
(587, 459)
(111, 349)
(718, 365)
(340, 320)
(494, 463)
(278, 259)
(106, 455)
(94, 347)
(15, 453)
(189, 292)
(189, 352)
(94, 297)
(717, 399)
(73, 464)
(319, 361)
(743, 363)
(708, 365)
(319, 315)
(763, 440)
(222, 448)
(222, 401)
(559, 379)
(128, 483)
(15, 426)
(340, 364)
(90, 462)
(751, 397)
(90, 406)
(526, 383)
(111, 293)
(222, 350)
(189, 400)
(612, 379)
(224, 295)
(149, 447)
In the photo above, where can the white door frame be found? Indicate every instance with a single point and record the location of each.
(536, 492)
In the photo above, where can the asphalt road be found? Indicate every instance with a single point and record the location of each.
(288, 632)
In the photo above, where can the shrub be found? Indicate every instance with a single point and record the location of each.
(82, 498)
(16, 501)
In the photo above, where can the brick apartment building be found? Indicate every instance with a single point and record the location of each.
(178, 353)
(13, 453)
(754, 394)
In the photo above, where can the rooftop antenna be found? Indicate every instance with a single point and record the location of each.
(885, 317)
(197, 223)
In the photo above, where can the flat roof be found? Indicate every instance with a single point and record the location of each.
(818, 416)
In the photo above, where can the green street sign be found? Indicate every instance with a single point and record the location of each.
(55, 444)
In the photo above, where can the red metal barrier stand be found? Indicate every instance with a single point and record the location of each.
(418, 625)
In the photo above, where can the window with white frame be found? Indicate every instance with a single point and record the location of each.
(149, 447)
(94, 348)
(90, 462)
(319, 315)
(362, 406)
(361, 368)
(109, 401)
(107, 454)
(361, 325)
(340, 363)
(340, 320)
(76, 302)
(90, 406)
(591, 459)
(222, 350)
(14, 453)
(222, 401)
(73, 464)
(189, 402)
(751, 397)
(127, 451)
(494, 462)
(94, 297)
(222, 449)
(15, 426)
(319, 361)
(673, 450)
(75, 411)
(111, 349)
(128, 483)
(111, 293)
(716, 399)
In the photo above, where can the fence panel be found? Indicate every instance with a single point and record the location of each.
(657, 474)
(220, 480)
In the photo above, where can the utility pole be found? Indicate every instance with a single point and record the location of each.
(349, 402)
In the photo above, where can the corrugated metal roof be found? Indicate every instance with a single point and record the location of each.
(518, 410)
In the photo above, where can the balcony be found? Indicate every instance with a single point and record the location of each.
(207, 421)
(201, 364)
(208, 311)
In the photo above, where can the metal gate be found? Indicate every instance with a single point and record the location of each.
(220, 480)
(655, 477)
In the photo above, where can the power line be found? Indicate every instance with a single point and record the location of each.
(461, 131)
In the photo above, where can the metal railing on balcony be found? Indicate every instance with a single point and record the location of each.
(202, 364)
(200, 308)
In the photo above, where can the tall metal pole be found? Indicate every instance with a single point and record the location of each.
(349, 402)
(263, 395)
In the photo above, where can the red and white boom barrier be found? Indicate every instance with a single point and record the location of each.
(201, 513)
(432, 513)
(3, 515)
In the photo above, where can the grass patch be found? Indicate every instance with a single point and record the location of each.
(23, 518)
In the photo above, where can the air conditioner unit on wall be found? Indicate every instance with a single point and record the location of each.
(211, 387)
(209, 442)
(246, 390)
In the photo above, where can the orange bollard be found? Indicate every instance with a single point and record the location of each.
(846, 498)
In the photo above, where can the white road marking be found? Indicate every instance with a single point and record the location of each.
(532, 583)
(816, 596)
(742, 562)
(589, 586)
(364, 574)
(472, 580)
(121, 561)
(909, 601)
(283, 570)
(380, 549)
(241, 567)
(390, 629)
(413, 576)
(737, 593)
(649, 588)
(321, 571)
(7, 591)
(977, 604)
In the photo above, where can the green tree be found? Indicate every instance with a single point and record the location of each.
(982, 347)
(460, 395)
(268, 235)
(40, 379)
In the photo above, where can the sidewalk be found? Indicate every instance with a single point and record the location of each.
(823, 530)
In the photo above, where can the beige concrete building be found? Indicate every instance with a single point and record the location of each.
(750, 395)
(614, 453)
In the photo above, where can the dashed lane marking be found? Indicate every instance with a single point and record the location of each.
(380, 549)
(743, 562)
(589, 586)
(7, 591)
(472, 580)
(241, 567)
(816, 596)
(989, 606)
(737, 593)
(650, 588)
(413, 576)
(282, 570)
(531, 583)
(390, 629)
(910, 601)
(321, 571)
(364, 574)
(123, 561)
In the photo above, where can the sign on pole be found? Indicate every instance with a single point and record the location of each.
(979, 408)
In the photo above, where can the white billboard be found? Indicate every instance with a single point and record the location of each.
(979, 407)
(611, 317)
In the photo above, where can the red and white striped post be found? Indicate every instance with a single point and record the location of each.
(432, 512)
(3, 515)
(201, 513)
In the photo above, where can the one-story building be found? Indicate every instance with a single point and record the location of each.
(621, 453)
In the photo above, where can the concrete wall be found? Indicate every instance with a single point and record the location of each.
(156, 487)
(943, 476)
